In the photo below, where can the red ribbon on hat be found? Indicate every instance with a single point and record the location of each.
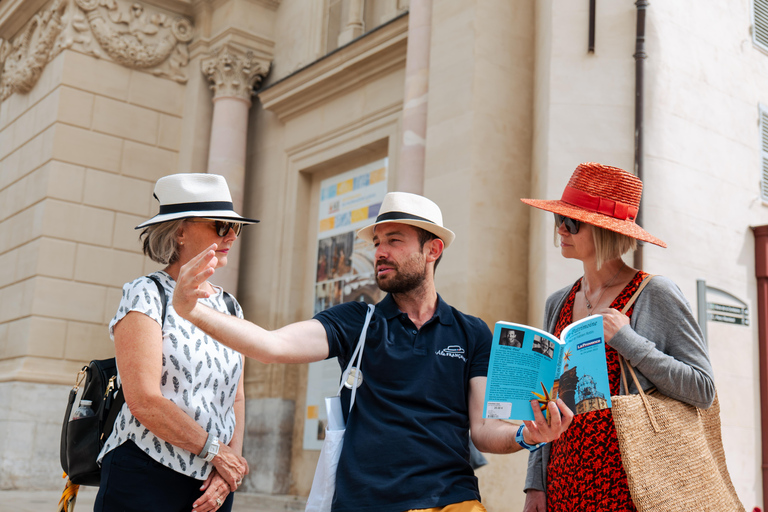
(615, 209)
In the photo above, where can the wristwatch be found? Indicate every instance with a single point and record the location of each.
(521, 441)
(211, 448)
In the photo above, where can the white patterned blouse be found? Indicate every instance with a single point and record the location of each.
(199, 375)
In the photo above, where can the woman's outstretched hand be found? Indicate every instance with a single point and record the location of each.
(189, 285)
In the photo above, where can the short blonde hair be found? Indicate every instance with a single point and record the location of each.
(609, 245)
(160, 241)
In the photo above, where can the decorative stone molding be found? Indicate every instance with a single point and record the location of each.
(134, 38)
(22, 61)
(233, 72)
(115, 29)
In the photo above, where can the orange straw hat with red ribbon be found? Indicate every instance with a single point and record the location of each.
(603, 196)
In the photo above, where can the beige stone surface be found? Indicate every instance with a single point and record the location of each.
(75, 107)
(156, 93)
(64, 181)
(70, 300)
(99, 76)
(147, 162)
(169, 132)
(111, 267)
(76, 222)
(90, 149)
(125, 236)
(119, 193)
(86, 341)
(46, 256)
(125, 121)
(35, 336)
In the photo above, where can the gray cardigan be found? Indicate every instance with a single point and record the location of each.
(664, 345)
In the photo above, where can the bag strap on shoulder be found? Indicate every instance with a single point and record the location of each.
(163, 298)
(230, 303)
(358, 353)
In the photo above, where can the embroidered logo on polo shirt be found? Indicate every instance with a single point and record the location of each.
(452, 351)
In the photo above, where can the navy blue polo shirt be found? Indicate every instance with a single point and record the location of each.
(406, 444)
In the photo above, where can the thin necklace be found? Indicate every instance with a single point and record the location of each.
(604, 287)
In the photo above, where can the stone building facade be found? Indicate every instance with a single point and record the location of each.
(475, 104)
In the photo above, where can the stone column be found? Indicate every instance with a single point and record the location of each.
(354, 25)
(410, 174)
(233, 72)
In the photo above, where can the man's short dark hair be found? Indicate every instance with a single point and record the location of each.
(424, 237)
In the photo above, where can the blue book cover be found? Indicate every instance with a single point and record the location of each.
(531, 364)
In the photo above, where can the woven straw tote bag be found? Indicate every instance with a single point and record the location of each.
(672, 452)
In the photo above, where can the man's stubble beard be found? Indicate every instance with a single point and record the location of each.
(404, 280)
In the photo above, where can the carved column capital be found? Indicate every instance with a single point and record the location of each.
(233, 72)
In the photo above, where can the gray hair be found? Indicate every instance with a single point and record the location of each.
(160, 241)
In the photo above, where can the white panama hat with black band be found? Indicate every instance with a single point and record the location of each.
(190, 195)
(411, 209)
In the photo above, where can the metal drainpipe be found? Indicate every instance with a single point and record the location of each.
(761, 272)
(640, 55)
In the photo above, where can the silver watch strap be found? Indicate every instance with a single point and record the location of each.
(207, 446)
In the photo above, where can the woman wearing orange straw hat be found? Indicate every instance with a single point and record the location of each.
(658, 336)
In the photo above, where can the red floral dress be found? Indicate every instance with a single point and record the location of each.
(585, 472)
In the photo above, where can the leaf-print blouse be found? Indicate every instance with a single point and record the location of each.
(199, 375)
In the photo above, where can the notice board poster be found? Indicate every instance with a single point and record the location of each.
(344, 271)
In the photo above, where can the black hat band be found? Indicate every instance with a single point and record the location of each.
(208, 206)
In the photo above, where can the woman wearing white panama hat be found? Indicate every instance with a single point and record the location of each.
(177, 441)
(659, 337)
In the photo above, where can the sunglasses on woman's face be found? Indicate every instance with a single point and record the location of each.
(570, 224)
(222, 227)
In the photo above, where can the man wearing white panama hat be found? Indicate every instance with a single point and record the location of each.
(425, 371)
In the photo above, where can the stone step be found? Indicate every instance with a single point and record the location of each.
(250, 502)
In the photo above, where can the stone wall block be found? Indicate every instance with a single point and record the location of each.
(48, 257)
(99, 265)
(120, 193)
(151, 266)
(156, 93)
(147, 162)
(114, 295)
(126, 121)
(15, 301)
(267, 446)
(126, 237)
(6, 141)
(59, 298)
(75, 107)
(77, 222)
(98, 76)
(33, 154)
(19, 229)
(90, 149)
(35, 336)
(45, 112)
(169, 132)
(86, 341)
(8, 263)
(30, 427)
(65, 181)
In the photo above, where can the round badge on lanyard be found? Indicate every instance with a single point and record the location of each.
(349, 381)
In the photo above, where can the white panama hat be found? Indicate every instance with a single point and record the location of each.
(188, 195)
(411, 209)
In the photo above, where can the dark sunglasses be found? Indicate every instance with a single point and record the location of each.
(570, 224)
(222, 227)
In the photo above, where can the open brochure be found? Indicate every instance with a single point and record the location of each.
(530, 364)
